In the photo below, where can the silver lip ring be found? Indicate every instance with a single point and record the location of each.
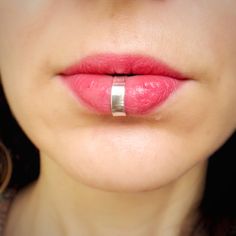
(118, 96)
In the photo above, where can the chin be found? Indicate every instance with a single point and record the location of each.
(125, 160)
(124, 171)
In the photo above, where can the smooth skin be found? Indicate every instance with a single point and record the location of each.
(102, 175)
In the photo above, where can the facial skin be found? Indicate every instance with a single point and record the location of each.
(39, 39)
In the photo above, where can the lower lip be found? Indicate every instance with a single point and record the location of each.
(143, 93)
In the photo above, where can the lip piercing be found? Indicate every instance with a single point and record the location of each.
(118, 96)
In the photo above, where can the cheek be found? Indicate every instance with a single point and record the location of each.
(227, 95)
(22, 29)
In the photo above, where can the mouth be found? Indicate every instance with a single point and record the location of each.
(147, 82)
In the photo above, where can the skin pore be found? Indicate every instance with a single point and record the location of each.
(102, 175)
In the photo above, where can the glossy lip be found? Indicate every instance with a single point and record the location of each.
(151, 83)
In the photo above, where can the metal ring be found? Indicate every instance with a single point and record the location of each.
(5, 167)
(118, 96)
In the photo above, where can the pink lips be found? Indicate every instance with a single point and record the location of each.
(148, 82)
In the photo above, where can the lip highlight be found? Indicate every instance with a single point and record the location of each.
(148, 82)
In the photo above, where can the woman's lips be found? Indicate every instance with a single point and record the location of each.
(148, 82)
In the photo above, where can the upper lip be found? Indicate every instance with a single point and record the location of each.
(121, 64)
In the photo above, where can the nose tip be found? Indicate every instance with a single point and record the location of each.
(116, 8)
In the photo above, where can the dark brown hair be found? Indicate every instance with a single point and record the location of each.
(218, 205)
(24, 155)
